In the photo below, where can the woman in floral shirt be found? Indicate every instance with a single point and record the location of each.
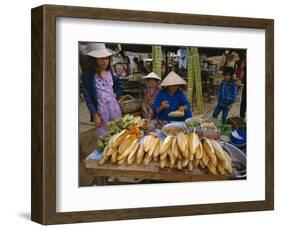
(101, 88)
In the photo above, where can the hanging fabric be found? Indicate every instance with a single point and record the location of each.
(157, 60)
(194, 94)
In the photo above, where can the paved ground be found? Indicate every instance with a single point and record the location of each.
(234, 112)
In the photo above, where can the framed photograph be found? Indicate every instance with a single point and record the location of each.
(139, 114)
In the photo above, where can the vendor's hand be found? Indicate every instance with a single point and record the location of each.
(97, 120)
(229, 107)
(114, 94)
(165, 104)
(182, 108)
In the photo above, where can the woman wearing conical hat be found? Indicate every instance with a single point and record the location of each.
(151, 82)
(171, 99)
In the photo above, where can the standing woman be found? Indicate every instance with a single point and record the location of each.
(151, 82)
(101, 88)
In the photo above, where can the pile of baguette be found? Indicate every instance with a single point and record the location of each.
(184, 151)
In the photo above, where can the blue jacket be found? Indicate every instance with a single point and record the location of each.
(90, 92)
(176, 100)
(227, 93)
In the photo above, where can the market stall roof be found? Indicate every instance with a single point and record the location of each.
(218, 51)
(139, 48)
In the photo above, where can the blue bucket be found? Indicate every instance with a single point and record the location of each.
(239, 138)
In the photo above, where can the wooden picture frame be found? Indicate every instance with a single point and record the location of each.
(43, 207)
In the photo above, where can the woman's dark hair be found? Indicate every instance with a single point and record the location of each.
(228, 71)
(94, 66)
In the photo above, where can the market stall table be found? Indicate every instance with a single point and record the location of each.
(152, 171)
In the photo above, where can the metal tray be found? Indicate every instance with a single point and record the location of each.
(239, 160)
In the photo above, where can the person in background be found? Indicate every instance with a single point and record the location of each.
(227, 94)
(83, 57)
(140, 66)
(170, 98)
(243, 105)
(151, 82)
(232, 59)
(240, 70)
(101, 88)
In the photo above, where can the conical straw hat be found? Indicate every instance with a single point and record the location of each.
(152, 75)
(173, 79)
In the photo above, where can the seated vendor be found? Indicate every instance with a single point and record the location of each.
(170, 99)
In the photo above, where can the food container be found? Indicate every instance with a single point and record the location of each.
(193, 125)
(129, 104)
(236, 122)
(238, 160)
(173, 129)
(204, 127)
(238, 138)
(193, 122)
(211, 133)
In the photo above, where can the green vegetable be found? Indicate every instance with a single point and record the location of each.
(225, 129)
(115, 126)
(127, 118)
(100, 145)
